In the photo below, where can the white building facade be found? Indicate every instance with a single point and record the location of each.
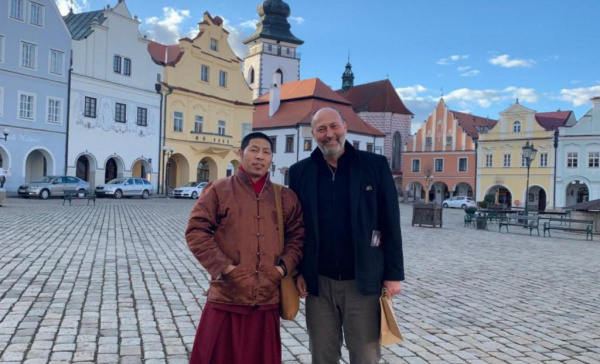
(578, 159)
(115, 110)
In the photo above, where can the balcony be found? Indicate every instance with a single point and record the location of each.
(275, 50)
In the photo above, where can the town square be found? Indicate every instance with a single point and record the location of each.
(116, 283)
(136, 137)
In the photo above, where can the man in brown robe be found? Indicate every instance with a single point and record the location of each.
(233, 232)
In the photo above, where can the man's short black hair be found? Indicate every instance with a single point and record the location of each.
(255, 135)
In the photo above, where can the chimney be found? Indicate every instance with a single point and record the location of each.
(274, 95)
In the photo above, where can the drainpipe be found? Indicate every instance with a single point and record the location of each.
(157, 87)
(163, 135)
(298, 142)
(69, 115)
(475, 183)
(555, 154)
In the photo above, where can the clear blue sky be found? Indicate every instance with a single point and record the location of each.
(482, 54)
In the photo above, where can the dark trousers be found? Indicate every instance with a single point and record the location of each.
(340, 313)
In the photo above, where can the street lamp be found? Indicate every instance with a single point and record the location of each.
(529, 154)
(5, 132)
(167, 153)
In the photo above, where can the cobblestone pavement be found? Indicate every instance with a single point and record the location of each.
(115, 283)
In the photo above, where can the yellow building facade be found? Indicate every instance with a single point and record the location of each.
(208, 106)
(501, 167)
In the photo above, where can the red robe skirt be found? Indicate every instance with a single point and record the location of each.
(234, 334)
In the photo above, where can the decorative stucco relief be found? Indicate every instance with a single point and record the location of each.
(105, 117)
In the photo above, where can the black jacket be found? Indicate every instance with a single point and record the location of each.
(374, 206)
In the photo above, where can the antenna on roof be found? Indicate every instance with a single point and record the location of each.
(442, 92)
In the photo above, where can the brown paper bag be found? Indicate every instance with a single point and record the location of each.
(390, 332)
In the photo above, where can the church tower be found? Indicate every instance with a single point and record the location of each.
(347, 78)
(271, 49)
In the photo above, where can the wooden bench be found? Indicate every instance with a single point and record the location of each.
(70, 194)
(565, 225)
(529, 222)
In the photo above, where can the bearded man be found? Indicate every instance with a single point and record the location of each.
(353, 244)
(233, 232)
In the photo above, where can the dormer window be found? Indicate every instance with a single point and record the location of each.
(214, 44)
(517, 127)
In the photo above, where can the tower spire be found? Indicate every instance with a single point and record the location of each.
(347, 77)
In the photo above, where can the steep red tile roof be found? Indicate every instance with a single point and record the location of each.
(313, 87)
(378, 96)
(552, 120)
(473, 124)
(163, 54)
(300, 100)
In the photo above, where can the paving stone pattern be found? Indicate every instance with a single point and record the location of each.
(115, 283)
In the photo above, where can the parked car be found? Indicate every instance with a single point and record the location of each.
(127, 187)
(460, 202)
(191, 190)
(54, 186)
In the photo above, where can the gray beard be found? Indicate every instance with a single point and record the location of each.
(330, 152)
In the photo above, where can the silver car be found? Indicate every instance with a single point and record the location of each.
(191, 190)
(54, 186)
(127, 187)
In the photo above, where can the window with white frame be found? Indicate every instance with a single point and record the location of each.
(57, 59)
(214, 44)
(416, 165)
(544, 160)
(1, 101)
(26, 106)
(517, 127)
(572, 160)
(120, 113)
(289, 143)
(127, 66)
(307, 145)
(204, 73)
(356, 144)
(89, 110)
(28, 55)
(273, 143)
(16, 9)
(439, 165)
(178, 121)
(370, 147)
(54, 111)
(506, 161)
(221, 127)
(117, 61)
(198, 124)
(222, 78)
(1, 48)
(36, 14)
(428, 142)
(523, 161)
(246, 129)
(462, 164)
(489, 158)
(142, 116)
(594, 159)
